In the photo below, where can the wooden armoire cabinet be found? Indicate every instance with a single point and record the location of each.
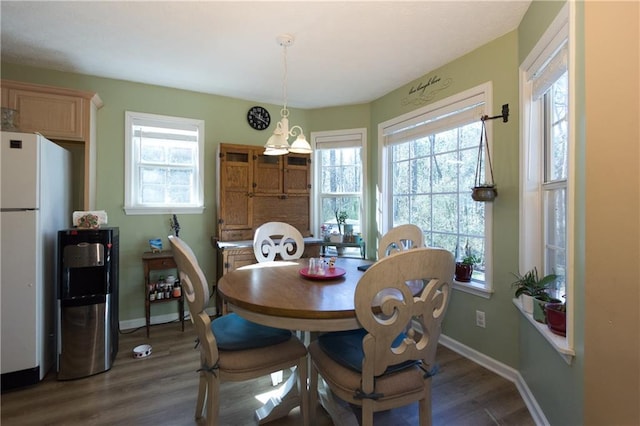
(254, 189)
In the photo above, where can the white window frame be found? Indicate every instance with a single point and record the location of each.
(480, 94)
(338, 139)
(131, 204)
(532, 215)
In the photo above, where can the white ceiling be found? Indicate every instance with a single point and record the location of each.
(345, 52)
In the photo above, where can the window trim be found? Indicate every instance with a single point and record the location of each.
(132, 208)
(482, 92)
(560, 33)
(336, 139)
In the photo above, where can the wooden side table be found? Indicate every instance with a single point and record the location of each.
(360, 245)
(157, 262)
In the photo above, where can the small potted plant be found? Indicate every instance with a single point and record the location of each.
(464, 268)
(341, 219)
(539, 302)
(556, 314)
(531, 285)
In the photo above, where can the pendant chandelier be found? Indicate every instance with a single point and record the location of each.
(278, 143)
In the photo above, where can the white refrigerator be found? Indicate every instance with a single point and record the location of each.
(35, 202)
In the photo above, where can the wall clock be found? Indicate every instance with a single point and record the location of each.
(258, 118)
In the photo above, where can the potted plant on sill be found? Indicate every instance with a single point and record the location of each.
(341, 220)
(539, 302)
(556, 314)
(464, 268)
(529, 286)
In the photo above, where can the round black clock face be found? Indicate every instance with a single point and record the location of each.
(258, 118)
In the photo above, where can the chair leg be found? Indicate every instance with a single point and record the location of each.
(302, 389)
(202, 389)
(367, 412)
(213, 399)
(424, 407)
(202, 393)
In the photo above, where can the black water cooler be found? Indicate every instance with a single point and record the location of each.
(87, 301)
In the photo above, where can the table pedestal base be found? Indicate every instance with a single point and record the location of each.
(340, 412)
(280, 406)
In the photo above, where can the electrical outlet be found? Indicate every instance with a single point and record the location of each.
(480, 322)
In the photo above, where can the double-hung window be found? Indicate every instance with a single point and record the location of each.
(554, 140)
(428, 164)
(546, 152)
(339, 159)
(163, 164)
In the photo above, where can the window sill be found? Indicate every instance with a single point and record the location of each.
(559, 343)
(473, 288)
(163, 210)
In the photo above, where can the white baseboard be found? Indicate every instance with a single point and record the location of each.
(159, 319)
(502, 370)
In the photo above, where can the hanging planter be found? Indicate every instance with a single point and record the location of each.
(484, 191)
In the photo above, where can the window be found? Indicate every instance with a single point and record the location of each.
(546, 213)
(429, 161)
(554, 184)
(339, 160)
(163, 164)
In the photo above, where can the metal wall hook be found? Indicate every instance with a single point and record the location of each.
(504, 115)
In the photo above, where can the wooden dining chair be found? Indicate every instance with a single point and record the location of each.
(390, 361)
(270, 240)
(400, 238)
(232, 348)
(277, 238)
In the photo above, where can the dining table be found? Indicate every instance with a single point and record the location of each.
(284, 294)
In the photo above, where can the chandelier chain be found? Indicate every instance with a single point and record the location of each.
(285, 111)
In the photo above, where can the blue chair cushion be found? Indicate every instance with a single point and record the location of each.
(345, 347)
(234, 333)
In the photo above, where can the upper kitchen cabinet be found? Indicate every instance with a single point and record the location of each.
(65, 116)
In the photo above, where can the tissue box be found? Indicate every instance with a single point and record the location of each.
(89, 219)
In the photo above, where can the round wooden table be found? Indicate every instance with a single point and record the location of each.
(276, 294)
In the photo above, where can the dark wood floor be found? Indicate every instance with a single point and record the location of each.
(161, 390)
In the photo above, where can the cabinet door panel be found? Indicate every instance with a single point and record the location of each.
(55, 116)
(297, 175)
(235, 198)
(267, 174)
(236, 171)
(237, 210)
(236, 258)
(293, 210)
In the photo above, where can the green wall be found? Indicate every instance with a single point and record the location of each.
(496, 62)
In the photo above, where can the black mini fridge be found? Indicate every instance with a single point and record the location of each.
(87, 301)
